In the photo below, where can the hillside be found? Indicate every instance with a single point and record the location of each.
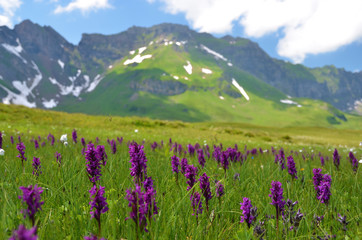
(171, 72)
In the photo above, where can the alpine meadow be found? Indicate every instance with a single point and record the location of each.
(163, 132)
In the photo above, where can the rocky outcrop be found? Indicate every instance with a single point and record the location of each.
(159, 87)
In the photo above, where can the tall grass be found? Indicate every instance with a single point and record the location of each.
(65, 213)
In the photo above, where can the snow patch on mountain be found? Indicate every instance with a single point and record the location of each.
(230, 64)
(64, 90)
(212, 52)
(16, 50)
(24, 89)
(61, 64)
(206, 71)
(137, 59)
(141, 50)
(188, 68)
(288, 101)
(132, 52)
(95, 82)
(17, 99)
(240, 88)
(50, 104)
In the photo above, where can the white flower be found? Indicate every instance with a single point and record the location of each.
(360, 161)
(136, 130)
(65, 143)
(2, 152)
(64, 138)
(262, 166)
(360, 144)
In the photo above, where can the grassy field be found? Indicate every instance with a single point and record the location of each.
(66, 211)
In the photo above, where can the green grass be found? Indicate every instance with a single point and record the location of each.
(65, 213)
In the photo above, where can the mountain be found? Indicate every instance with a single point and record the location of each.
(171, 72)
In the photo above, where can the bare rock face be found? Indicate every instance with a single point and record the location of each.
(159, 87)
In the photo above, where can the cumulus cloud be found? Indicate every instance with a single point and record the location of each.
(83, 5)
(307, 26)
(7, 11)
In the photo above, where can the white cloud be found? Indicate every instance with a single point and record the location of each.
(308, 26)
(7, 11)
(83, 5)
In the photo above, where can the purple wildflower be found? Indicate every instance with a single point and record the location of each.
(254, 151)
(249, 213)
(217, 154)
(150, 197)
(12, 139)
(184, 164)
(139, 210)
(277, 198)
(343, 221)
(31, 196)
(21, 148)
(196, 204)
(205, 188)
(324, 191)
(98, 204)
(201, 157)
(175, 163)
(191, 150)
(120, 140)
(354, 161)
(93, 237)
(101, 154)
(336, 158)
(36, 166)
(82, 140)
(317, 178)
(93, 164)
(138, 161)
(322, 160)
(114, 146)
(1, 139)
(154, 146)
(207, 151)
(36, 144)
(74, 136)
(277, 195)
(291, 167)
(24, 234)
(281, 154)
(179, 149)
(233, 154)
(190, 174)
(58, 158)
(51, 139)
(224, 160)
(219, 189)
(43, 144)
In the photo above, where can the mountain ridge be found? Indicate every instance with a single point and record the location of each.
(69, 73)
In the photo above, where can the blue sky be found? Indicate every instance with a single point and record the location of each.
(312, 32)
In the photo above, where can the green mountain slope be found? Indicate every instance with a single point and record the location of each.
(163, 86)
